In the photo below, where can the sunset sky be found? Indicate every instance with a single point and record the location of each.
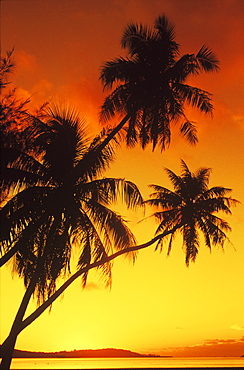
(157, 305)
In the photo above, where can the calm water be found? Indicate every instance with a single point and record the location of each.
(128, 363)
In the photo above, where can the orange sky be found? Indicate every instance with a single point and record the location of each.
(158, 305)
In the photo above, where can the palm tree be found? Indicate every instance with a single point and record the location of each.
(63, 208)
(150, 85)
(192, 206)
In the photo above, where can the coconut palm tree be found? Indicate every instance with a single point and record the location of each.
(150, 85)
(62, 209)
(191, 208)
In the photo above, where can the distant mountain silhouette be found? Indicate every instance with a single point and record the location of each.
(106, 352)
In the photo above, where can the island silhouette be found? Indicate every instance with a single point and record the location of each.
(96, 353)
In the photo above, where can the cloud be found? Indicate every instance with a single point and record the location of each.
(237, 327)
(92, 286)
(210, 347)
(25, 62)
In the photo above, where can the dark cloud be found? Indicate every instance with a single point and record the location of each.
(211, 347)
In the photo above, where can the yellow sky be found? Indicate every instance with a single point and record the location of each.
(157, 305)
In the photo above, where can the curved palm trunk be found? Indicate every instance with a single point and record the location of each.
(114, 132)
(8, 345)
(100, 147)
(59, 291)
(9, 254)
(20, 324)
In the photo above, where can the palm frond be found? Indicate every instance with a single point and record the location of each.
(64, 129)
(117, 70)
(205, 230)
(114, 103)
(130, 194)
(184, 67)
(113, 224)
(202, 176)
(216, 228)
(190, 243)
(165, 27)
(196, 98)
(109, 190)
(21, 169)
(189, 131)
(207, 59)
(171, 230)
(21, 210)
(217, 204)
(170, 244)
(95, 160)
(175, 180)
(216, 191)
(168, 220)
(163, 197)
(135, 38)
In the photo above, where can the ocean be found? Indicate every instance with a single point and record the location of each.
(129, 363)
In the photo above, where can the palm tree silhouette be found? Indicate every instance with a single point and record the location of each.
(150, 85)
(189, 208)
(64, 208)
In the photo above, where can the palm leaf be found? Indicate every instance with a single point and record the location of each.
(108, 221)
(135, 38)
(175, 180)
(207, 59)
(108, 190)
(189, 131)
(196, 98)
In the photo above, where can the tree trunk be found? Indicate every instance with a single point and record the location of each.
(7, 351)
(79, 168)
(115, 130)
(8, 345)
(19, 324)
